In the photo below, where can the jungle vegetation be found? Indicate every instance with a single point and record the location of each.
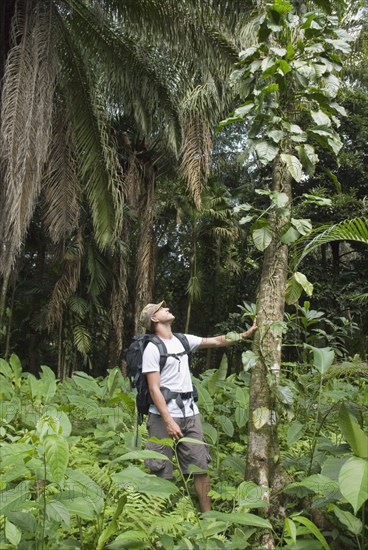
(212, 154)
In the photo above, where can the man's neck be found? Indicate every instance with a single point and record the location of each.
(163, 330)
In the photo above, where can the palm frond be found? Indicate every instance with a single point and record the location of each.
(195, 155)
(348, 230)
(60, 187)
(177, 23)
(97, 271)
(82, 339)
(68, 281)
(78, 306)
(138, 79)
(27, 101)
(98, 164)
(361, 298)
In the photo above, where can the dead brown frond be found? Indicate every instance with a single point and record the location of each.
(195, 155)
(28, 89)
(61, 189)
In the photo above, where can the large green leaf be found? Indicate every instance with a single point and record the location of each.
(57, 456)
(79, 506)
(293, 290)
(87, 383)
(241, 518)
(262, 236)
(57, 511)
(226, 425)
(16, 365)
(322, 358)
(210, 432)
(261, 416)
(249, 359)
(204, 398)
(145, 483)
(14, 499)
(312, 528)
(219, 375)
(295, 432)
(353, 433)
(241, 416)
(293, 164)
(235, 463)
(142, 454)
(353, 523)
(353, 481)
(80, 484)
(49, 383)
(12, 533)
(304, 283)
(266, 151)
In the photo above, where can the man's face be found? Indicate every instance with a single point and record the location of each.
(163, 315)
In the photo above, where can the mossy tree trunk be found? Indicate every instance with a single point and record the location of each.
(263, 452)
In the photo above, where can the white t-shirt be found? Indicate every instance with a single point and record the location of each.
(175, 375)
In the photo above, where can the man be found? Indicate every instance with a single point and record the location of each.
(176, 417)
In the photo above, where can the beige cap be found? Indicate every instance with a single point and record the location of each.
(148, 312)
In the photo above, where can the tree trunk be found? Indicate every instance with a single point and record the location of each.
(145, 267)
(335, 249)
(119, 298)
(263, 453)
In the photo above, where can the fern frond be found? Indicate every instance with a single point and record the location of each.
(347, 369)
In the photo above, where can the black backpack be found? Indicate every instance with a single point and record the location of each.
(134, 356)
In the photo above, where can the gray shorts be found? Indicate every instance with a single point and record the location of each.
(188, 453)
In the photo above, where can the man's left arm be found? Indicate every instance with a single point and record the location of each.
(222, 342)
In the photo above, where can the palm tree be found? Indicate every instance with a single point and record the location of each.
(71, 67)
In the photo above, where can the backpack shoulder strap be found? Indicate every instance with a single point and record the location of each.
(184, 341)
(161, 348)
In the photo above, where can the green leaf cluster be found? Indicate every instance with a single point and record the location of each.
(288, 82)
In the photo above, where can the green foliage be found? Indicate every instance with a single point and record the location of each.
(288, 83)
(72, 462)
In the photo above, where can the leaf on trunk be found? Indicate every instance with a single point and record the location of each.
(266, 151)
(261, 416)
(303, 281)
(249, 359)
(294, 165)
(262, 237)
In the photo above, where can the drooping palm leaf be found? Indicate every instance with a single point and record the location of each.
(68, 280)
(97, 162)
(27, 93)
(61, 188)
(137, 83)
(347, 230)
